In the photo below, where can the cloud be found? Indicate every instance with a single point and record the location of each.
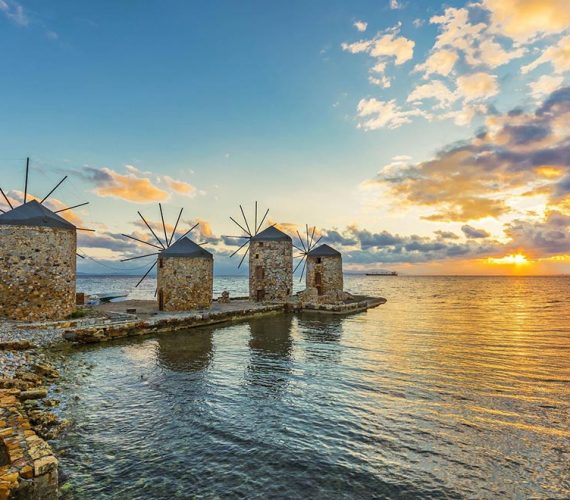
(360, 25)
(135, 186)
(131, 187)
(180, 187)
(364, 246)
(477, 86)
(433, 90)
(15, 12)
(548, 236)
(517, 153)
(471, 232)
(379, 114)
(395, 4)
(492, 54)
(545, 85)
(524, 20)
(386, 47)
(383, 81)
(446, 235)
(557, 55)
(439, 62)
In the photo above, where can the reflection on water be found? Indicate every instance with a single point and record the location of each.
(457, 387)
(185, 353)
(271, 349)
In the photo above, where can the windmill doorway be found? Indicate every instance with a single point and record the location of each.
(260, 294)
(160, 300)
(319, 282)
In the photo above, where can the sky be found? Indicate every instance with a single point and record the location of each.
(416, 136)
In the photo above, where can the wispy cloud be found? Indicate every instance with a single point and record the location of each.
(15, 12)
(360, 25)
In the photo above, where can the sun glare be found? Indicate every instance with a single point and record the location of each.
(515, 259)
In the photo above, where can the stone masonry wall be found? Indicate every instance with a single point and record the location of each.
(275, 258)
(37, 272)
(186, 283)
(330, 269)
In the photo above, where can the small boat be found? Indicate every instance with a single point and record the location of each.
(383, 273)
(103, 298)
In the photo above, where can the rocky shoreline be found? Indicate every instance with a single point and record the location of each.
(29, 375)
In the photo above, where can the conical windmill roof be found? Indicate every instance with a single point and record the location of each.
(34, 214)
(185, 247)
(324, 251)
(271, 234)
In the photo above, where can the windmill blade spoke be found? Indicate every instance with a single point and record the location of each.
(239, 248)
(26, 184)
(79, 255)
(301, 239)
(6, 198)
(175, 227)
(312, 237)
(189, 231)
(295, 246)
(298, 264)
(141, 241)
(240, 226)
(146, 274)
(150, 229)
(317, 242)
(51, 192)
(255, 226)
(245, 219)
(307, 235)
(139, 257)
(262, 221)
(302, 271)
(84, 229)
(241, 237)
(163, 224)
(71, 208)
(242, 259)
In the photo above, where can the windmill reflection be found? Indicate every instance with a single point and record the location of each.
(321, 336)
(271, 347)
(186, 351)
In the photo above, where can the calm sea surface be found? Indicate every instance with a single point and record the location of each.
(457, 387)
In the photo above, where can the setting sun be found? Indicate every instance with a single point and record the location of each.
(514, 259)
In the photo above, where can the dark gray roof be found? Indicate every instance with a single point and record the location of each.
(34, 214)
(185, 247)
(271, 234)
(324, 251)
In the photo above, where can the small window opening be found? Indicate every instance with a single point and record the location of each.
(259, 273)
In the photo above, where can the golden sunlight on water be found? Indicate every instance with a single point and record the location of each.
(457, 387)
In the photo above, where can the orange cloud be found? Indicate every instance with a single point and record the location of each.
(524, 20)
(135, 186)
(180, 187)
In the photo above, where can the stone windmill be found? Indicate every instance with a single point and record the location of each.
(270, 259)
(38, 251)
(323, 264)
(185, 275)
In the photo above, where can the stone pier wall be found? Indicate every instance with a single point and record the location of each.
(28, 467)
(330, 270)
(37, 272)
(270, 270)
(185, 283)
